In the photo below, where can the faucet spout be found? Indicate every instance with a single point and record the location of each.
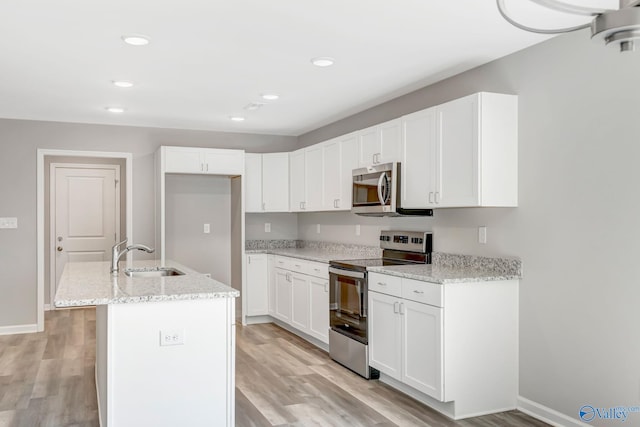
(116, 253)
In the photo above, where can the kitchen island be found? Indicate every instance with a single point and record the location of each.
(165, 346)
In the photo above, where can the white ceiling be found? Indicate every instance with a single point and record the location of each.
(209, 58)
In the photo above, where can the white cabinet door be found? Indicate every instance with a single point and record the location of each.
(332, 175)
(257, 292)
(368, 146)
(283, 295)
(296, 181)
(390, 137)
(253, 182)
(314, 176)
(385, 334)
(422, 348)
(419, 166)
(271, 284)
(183, 160)
(319, 308)
(275, 182)
(218, 161)
(300, 301)
(459, 142)
(349, 162)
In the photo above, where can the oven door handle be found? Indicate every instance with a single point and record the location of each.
(340, 272)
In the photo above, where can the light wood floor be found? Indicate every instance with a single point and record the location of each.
(47, 379)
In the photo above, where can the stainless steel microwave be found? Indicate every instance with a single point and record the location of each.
(376, 192)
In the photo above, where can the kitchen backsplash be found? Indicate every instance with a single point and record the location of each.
(342, 248)
(504, 266)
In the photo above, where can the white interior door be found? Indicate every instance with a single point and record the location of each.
(85, 214)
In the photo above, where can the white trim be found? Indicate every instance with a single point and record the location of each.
(546, 414)
(40, 180)
(95, 371)
(18, 329)
(53, 167)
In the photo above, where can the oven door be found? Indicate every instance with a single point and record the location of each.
(348, 303)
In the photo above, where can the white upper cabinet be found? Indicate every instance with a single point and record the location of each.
(212, 161)
(267, 182)
(297, 199)
(314, 178)
(332, 174)
(419, 152)
(253, 182)
(275, 182)
(468, 159)
(348, 162)
(380, 143)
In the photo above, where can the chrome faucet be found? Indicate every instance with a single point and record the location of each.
(116, 253)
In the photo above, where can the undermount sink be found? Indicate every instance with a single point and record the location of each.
(153, 272)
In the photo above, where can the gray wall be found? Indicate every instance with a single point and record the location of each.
(283, 226)
(191, 202)
(577, 227)
(19, 140)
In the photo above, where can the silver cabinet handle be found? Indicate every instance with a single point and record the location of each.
(207, 167)
(317, 269)
(297, 265)
(249, 260)
(401, 308)
(201, 167)
(437, 198)
(326, 286)
(263, 206)
(395, 307)
(382, 284)
(430, 196)
(418, 292)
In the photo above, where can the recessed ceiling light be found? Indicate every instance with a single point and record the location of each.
(322, 61)
(270, 96)
(237, 118)
(136, 40)
(122, 83)
(116, 110)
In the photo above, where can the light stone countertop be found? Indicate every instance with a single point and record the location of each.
(311, 254)
(444, 274)
(90, 283)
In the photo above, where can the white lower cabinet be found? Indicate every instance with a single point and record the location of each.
(301, 296)
(459, 357)
(257, 291)
(300, 301)
(283, 295)
(406, 342)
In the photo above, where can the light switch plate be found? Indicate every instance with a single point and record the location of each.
(172, 337)
(207, 228)
(318, 228)
(267, 227)
(357, 229)
(8, 222)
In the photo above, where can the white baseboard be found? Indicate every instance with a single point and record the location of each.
(546, 414)
(18, 329)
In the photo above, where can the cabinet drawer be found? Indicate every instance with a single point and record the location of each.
(292, 264)
(390, 285)
(317, 269)
(424, 292)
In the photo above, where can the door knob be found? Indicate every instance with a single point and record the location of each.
(59, 248)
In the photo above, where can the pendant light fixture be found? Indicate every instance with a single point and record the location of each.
(618, 28)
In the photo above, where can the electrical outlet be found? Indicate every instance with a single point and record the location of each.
(207, 275)
(171, 337)
(482, 235)
(207, 228)
(357, 229)
(8, 222)
(318, 228)
(267, 227)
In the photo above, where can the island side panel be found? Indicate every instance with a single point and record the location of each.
(171, 385)
(101, 362)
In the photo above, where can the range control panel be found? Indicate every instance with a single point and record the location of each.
(410, 241)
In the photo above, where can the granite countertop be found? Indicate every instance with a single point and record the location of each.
(90, 283)
(310, 254)
(444, 275)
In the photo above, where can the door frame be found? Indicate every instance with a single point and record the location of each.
(52, 214)
(40, 204)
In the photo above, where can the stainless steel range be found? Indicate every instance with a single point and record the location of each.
(348, 336)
